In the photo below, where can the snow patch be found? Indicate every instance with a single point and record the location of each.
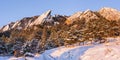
(106, 51)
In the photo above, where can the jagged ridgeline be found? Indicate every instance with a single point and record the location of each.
(39, 33)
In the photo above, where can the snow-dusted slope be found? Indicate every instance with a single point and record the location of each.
(102, 53)
(65, 53)
(107, 51)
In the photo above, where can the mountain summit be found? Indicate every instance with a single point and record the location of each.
(41, 19)
(110, 13)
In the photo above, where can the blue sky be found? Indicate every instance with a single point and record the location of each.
(13, 10)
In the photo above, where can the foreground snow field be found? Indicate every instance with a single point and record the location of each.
(107, 51)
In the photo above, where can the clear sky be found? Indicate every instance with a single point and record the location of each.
(13, 10)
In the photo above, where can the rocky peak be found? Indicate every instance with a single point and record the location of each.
(20, 24)
(15, 24)
(76, 15)
(73, 17)
(86, 15)
(89, 15)
(110, 13)
(87, 11)
(5, 28)
(29, 21)
(42, 18)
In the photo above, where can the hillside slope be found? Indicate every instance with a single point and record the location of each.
(106, 51)
(37, 34)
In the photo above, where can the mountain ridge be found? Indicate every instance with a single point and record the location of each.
(106, 12)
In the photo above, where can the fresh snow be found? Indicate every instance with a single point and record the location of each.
(106, 51)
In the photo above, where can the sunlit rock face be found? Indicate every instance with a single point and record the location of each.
(86, 15)
(28, 21)
(20, 24)
(41, 18)
(107, 13)
(89, 15)
(5, 28)
(110, 13)
(73, 17)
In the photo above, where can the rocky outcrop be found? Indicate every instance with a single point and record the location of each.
(73, 17)
(21, 24)
(86, 15)
(107, 13)
(89, 15)
(41, 18)
(110, 13)
(5, 28)
(29, 21)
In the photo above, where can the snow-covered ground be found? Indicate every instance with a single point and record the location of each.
(106, 51)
